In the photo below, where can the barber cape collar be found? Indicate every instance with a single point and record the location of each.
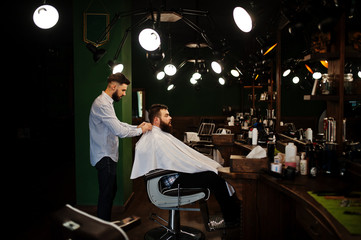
(157, 149)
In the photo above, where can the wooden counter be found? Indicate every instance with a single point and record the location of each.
(287, 203)
(274, 208)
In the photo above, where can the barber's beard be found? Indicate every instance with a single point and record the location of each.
(165, 127)
(115, 97)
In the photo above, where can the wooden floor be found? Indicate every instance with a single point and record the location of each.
(140, 206)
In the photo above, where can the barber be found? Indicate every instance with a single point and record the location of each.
(105, 129)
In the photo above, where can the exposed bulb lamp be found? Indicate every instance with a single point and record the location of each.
(149, 39)
(286, 72)
(295, 80)
(118, 68)
(234, 73)
(170, 69)
(196, 75)
(316, 75)
(160, 75)
(45, 16)
(193, 81)
(170, 87)
(216, 67)
(359, 74)
(221, 81)
(242, 19)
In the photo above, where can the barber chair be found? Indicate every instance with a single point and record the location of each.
(172, 200)
(72, 223)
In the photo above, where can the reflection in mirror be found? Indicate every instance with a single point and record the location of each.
(138, 104)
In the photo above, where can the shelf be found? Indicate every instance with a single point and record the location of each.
(349, 54)
(320, 97)
(330, 97)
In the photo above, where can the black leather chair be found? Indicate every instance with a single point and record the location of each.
(72, 223)
(172, 200)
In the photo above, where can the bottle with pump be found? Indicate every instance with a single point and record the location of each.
(312, 165)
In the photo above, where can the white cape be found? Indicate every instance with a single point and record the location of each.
(157, 149)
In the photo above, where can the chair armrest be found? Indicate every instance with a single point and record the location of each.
(157, 173)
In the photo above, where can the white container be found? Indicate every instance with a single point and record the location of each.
(254, 136)
(308, 134)
(303, 164)
(291, 151)
(303, 167)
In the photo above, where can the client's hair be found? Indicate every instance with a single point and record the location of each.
(119, 78)
(154, 111)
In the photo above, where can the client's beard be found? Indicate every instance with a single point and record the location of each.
(115, 97)
(165, 127)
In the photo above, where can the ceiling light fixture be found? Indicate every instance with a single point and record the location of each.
(170, 87)
(149, 39)
(160, 75)
(295, 80)
(216, 67)
(317, 75)
(170, 69)
(45, 16)
(221, 81)
(234, 73)
(243, 19)
(286, 72)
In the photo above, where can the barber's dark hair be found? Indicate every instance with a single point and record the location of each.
(154, 111)
(119, 78)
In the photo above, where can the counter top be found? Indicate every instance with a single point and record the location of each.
(298, 189)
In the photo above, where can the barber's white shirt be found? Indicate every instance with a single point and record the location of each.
(105, 128)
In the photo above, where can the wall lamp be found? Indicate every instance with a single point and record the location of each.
(45, 16)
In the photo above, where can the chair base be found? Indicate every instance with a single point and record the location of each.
(186, 233)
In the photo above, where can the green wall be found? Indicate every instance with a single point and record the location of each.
(89, 81)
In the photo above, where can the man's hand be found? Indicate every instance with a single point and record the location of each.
(145, 127)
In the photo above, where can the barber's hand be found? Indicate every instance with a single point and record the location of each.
(145, 127)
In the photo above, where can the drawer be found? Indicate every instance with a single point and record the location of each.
(315, 228)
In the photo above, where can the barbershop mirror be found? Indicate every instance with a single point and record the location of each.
(138, 104)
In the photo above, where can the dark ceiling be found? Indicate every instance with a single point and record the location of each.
(297, 20)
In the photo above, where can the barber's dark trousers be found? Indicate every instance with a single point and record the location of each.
(229, 206)
(107, 187)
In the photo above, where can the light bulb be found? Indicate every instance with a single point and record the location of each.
(45, 16)
(234, 73)
(193, 80)
(221, 81)
(196, 75)
(118, 68)
(149, 39)
(242, 19)
(170, 87)
(160, 75)
(296, 80)
(316, 75)
(170, 69)
(285, 73)
(217, 68)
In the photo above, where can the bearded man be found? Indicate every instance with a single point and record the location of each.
(105, 129)
(159, 149)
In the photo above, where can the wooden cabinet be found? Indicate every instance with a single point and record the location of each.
(287, 211)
